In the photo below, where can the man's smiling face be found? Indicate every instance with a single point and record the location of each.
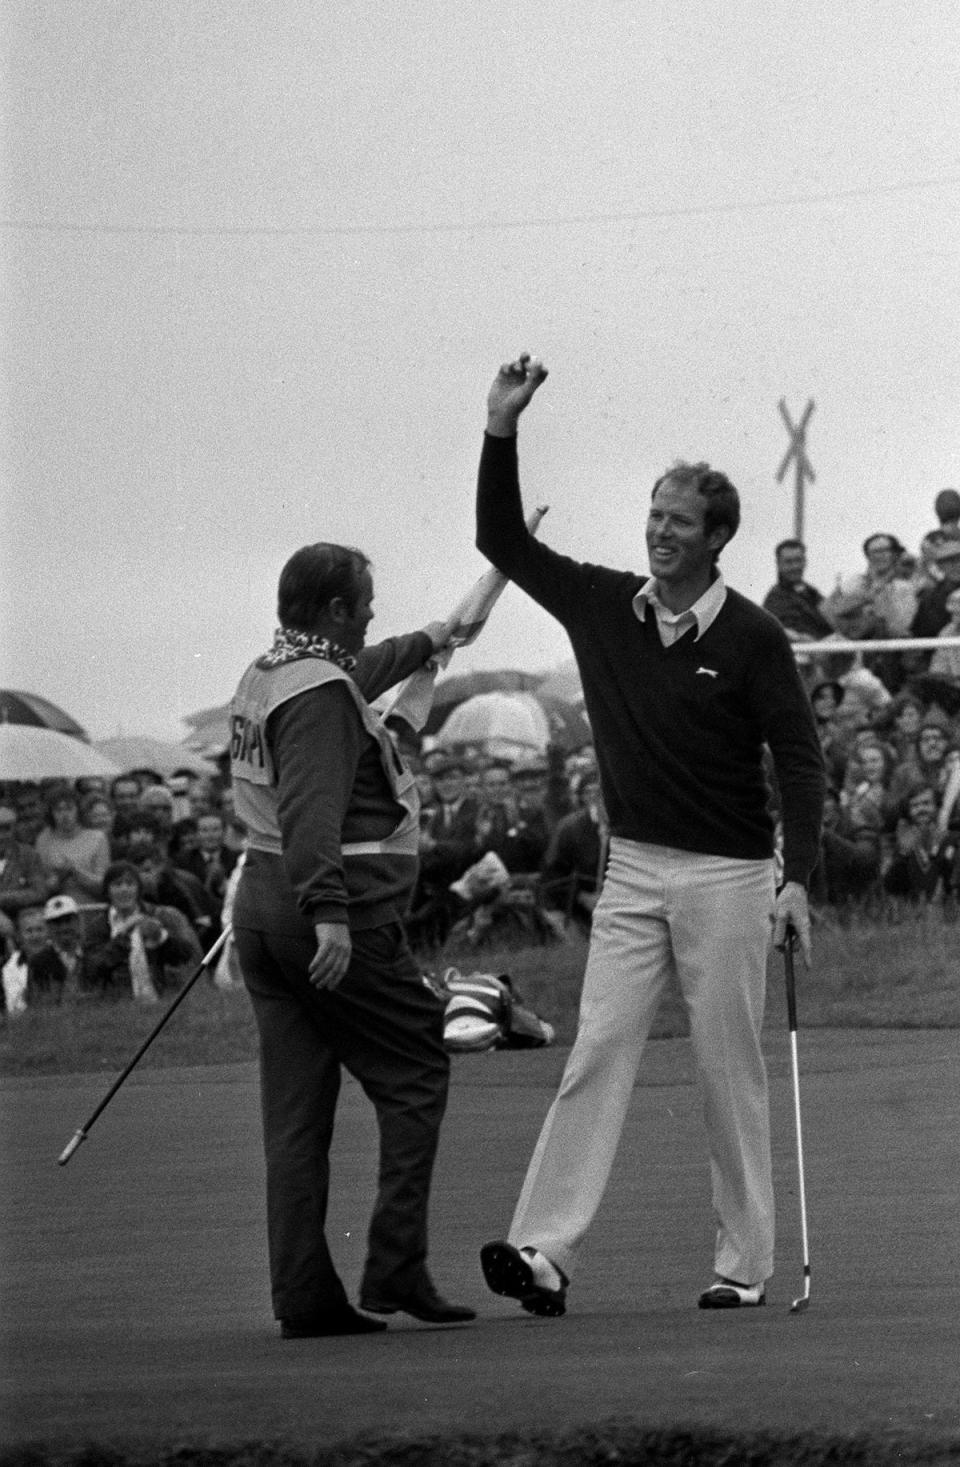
(681, 552)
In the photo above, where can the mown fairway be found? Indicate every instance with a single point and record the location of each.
(136, 1305)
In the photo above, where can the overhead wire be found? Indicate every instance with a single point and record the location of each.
(482, 226)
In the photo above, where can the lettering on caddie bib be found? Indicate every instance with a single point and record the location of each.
(246, 749)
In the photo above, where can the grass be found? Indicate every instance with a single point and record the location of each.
(863, 976)
(613, 1444)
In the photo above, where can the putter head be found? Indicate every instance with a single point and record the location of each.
(799, 1305)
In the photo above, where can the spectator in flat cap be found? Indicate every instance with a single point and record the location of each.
(448, 845)
(448, 839)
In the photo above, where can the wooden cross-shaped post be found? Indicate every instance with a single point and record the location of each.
(803, 469)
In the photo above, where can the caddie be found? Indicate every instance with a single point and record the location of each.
(332, 818)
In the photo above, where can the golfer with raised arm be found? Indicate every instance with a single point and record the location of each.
(685, 683)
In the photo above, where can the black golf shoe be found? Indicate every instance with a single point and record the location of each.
(508, 1271)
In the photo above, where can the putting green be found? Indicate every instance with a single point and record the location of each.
(135, 1293)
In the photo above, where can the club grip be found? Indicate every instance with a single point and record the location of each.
(71, 1147)
(790, 975)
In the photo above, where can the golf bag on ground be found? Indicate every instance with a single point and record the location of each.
(483, 1012)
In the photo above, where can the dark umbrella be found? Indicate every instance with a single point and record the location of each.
(19, 707)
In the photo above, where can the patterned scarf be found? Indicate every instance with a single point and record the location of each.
(289, 645)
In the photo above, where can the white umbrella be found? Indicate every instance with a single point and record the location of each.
(138, 752)
(28, 754)
(511, 724)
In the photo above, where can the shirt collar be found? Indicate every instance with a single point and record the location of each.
(702, 613)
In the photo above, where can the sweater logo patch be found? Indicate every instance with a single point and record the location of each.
(707, 672)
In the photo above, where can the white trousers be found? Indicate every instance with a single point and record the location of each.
(707, 919)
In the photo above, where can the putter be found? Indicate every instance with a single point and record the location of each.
(205, 962)
(803, 1301)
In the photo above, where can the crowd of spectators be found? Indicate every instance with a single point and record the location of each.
(114, 889)
(111, 889)
(888, 720)
(507, 848)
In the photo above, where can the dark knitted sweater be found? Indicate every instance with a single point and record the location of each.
(679, 730)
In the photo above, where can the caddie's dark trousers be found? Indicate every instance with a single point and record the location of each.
(385, 1026)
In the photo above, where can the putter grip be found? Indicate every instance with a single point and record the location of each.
(71, 1147)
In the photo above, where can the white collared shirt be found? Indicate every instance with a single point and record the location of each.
(672, 625)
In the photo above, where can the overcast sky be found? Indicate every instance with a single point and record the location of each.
(261, 261)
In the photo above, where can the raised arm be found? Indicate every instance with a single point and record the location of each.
(503, 537)
(512, 389)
